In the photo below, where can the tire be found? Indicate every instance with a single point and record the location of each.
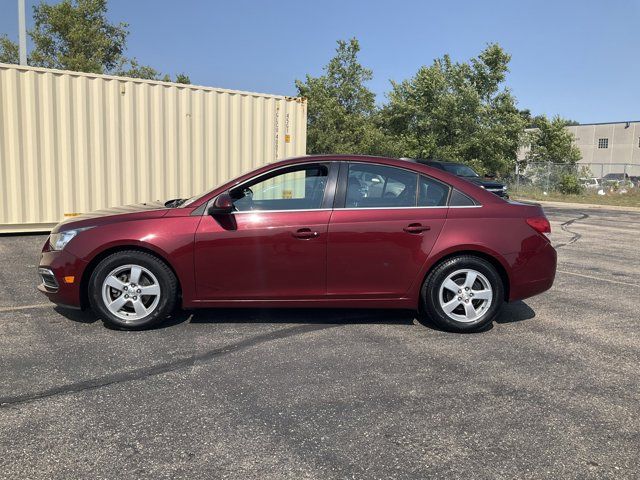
(468, 304)
(131, 274)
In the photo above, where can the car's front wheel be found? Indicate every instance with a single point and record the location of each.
(462, 294)
(132, 289)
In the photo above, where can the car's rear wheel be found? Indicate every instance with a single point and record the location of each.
(462, 294)
(132, 290)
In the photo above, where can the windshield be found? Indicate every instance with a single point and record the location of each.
(189, 201)
(182, 202)
(460, 170)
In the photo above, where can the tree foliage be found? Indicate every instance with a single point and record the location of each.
(183, 78)
(550, 141)
(341, 109)
(531, 120)
(77, 35)
(133, 69)
(458, 112)
(8, 50)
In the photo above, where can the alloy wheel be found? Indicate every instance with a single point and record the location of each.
(131, 292)
(465, 295)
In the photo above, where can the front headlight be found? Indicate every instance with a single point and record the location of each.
(504, 188)
(58, 241)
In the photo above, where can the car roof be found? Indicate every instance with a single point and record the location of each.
(400, 162)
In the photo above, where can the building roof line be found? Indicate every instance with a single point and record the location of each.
(604, 123)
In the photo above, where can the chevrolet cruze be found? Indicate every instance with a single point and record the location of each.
(316, 231)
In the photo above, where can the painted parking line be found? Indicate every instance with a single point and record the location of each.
(26, 307)
(598, 278)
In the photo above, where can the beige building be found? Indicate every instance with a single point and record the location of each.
(606, 147)
(608, 143)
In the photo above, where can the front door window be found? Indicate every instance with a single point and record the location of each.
(301, 188)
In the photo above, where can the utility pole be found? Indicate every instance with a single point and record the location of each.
(22, 33)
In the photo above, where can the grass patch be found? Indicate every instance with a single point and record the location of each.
(629, 199)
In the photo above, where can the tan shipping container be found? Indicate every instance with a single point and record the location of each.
(73, 142)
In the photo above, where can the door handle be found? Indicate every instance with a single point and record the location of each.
(416, 228)
(305, 233)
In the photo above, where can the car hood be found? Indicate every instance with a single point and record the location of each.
(114, 214)
(484, 183)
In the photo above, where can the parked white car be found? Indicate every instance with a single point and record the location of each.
(592, 183)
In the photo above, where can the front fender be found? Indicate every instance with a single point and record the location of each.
(170, 238)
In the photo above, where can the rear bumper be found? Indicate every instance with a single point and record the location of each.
(53, 268)
(533, 272)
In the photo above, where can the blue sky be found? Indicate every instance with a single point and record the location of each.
(578, 59)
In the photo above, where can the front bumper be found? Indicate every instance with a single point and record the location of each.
(499, 192)
(55, 270)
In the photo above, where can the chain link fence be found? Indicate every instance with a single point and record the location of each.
(581, 178)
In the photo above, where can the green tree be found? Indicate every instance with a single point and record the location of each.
(532, 120)
(183, 78)
(135, 70)
(77, 35)
(458, 111)
(550, 141)
(341, 109)
(8, 50)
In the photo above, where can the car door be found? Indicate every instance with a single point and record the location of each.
(273, 246)
(381, 234)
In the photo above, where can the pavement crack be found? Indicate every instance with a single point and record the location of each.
(575, 235)
(159, 369)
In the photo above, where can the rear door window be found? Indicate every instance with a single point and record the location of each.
(379, 186)
(432, 193)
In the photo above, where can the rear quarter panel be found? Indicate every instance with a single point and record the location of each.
(500, 231)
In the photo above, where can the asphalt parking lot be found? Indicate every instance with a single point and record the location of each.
(551, 391)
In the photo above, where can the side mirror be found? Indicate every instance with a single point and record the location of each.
(223, 204)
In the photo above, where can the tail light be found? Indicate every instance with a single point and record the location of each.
(540, 224)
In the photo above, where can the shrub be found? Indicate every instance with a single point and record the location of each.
(570, 185)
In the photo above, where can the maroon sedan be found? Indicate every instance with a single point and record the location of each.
(318, 231)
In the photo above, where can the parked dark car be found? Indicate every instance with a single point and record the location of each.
(468, 173)
(617, 180)
(318, 231)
